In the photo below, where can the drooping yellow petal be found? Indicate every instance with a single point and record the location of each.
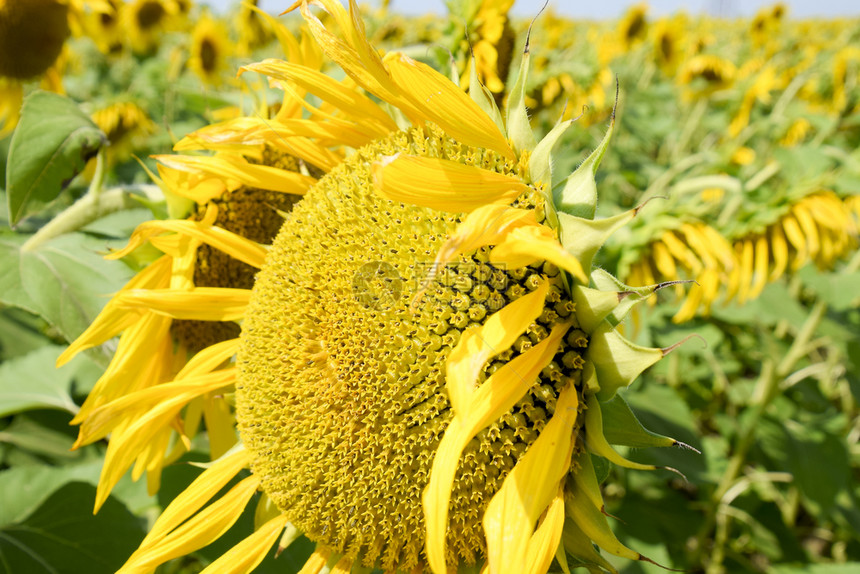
(810, 231)
(237, 169)
(112, 320)
(664, 261)
(198, 304)
(746, 259)
(247, 555)
(196, 494)
(236, 246)
(526, 245)
(495, 397)
(105, 418)
(797, 240)
(544, 542)
(202, 529)
(779, 248)
(761, 262)
(442, 184)
(343, 566)
(220, 424)
(478, 345)
(127, 444)
(529, 488)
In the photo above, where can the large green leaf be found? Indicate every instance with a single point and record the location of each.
(65, 280)
(63, 536)
(52, 143)
(32, 382)
(23, 489)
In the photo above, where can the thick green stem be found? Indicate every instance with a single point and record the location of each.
(766, 390)
(87, 209)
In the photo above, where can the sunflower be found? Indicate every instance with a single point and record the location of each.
(492, 45)
(633, 27)
(32, 36)
(104, 27)
(124, 123)
(252, 33)
(819, 228)
(210, 48)
(424, 342)
(145, 21)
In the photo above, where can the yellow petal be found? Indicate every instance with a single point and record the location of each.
(478, 345)
(446, 105)
(105, 418)
(779, 248)
(496, 396)
(247, 555)
(807, 224)
(797, 240)
(529, 488)
(526, 245)
(486, 225)
(236, 246)
(328, 89)
(664, 261)
(198, 304)
(442, 184)
(237, 169)
(747, 259)
(544, 542)
(196, 494)
(112, 320)
(316, 562)
(208, 359)
(760, 266)
(204, 528)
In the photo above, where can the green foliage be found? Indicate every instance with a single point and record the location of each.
(51, 145)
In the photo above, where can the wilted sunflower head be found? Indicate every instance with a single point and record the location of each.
(425, 342)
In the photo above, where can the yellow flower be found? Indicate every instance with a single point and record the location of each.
(32, 36)
(633, 26)
(492, 45)
(210, 48)
(124, 123)
(145, 21)
(819, 228)
(424, 342)
(705, 74)
(104, 27)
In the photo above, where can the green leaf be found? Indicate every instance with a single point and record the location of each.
(52, 143)
(23, 489)
(26, 434)
(65, 280)
(63, 536)
(32, 382)
(621, 426)
(841, 291)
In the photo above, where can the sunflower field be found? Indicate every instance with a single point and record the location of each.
(341, 290)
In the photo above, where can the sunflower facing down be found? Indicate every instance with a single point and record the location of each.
(425, 356)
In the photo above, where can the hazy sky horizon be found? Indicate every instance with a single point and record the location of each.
(614, 8)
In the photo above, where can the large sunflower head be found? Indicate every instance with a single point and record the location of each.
(426, 355)
(145, 21)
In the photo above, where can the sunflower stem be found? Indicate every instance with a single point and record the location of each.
(98, 181)
(767, 388)
(81, 213)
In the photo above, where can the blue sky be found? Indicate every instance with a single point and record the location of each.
(613, 8)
